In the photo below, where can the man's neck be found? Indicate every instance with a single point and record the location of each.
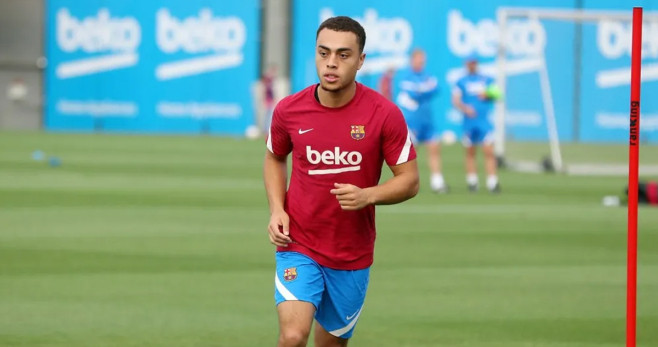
(338, 98)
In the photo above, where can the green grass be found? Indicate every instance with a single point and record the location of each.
(582, 153)
(160, 241)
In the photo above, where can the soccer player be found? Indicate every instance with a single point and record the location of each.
(417, 88)
(471, 95)
(339, 133)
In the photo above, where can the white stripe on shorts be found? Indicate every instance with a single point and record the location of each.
(282, 289)
(343, 330)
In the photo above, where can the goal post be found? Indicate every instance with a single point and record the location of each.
(544, 80)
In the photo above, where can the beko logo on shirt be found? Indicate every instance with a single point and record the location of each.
(222, 38)
(475, 88)
(335, 157)
(117, 37)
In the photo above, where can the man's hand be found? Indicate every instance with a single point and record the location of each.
(350, 197)
(278, 229)
(469, 111)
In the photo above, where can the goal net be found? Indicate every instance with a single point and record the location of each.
(566, 85)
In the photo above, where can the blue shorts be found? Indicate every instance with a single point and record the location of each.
(337, 295)
(475, 136)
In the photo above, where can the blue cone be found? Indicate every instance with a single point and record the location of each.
(54, 162)
(38, 155)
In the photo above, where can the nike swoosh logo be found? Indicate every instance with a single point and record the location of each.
(352, 316)
(302, 132)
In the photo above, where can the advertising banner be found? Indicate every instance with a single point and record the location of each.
(151, 66)
(589, 94)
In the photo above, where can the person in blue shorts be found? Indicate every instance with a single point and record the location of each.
(417, 88)
(472, 95)
(340, 134)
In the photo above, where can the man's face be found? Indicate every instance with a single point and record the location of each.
(337, 59)
(418, 61)
(472, 66)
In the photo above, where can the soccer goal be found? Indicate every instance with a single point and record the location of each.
(565, 75)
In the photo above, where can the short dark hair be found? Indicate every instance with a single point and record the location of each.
(345, 24)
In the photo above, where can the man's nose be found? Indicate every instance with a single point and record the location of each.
(332, 61)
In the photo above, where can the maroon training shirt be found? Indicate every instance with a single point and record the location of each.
(347, 144)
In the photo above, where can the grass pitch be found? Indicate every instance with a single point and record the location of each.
(160, 241)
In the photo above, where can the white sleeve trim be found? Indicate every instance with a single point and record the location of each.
(269, 139)
(404, 155)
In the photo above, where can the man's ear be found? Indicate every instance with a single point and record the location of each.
(362, 58)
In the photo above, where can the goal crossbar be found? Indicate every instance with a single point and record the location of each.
(504, 14)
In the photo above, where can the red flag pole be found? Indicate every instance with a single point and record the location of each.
(633, 159)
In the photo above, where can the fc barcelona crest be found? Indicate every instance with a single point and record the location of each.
(290, 274)
(358, 132)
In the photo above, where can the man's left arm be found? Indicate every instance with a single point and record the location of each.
(430, 88)
(400, 155)
(420, 89)
(402, 186)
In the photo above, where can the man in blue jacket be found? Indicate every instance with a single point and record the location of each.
(417, 88)
(474, 95)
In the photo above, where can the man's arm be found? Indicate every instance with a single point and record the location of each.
(460, 105)
(275, 174)
(418, 90)
(402, 186)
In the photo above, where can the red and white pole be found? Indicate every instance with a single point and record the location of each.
(633, 163)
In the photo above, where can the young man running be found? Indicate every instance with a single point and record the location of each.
(339, 133)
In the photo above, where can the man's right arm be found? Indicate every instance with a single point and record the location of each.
(275, 176)
(420, 90)
(459, 104)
